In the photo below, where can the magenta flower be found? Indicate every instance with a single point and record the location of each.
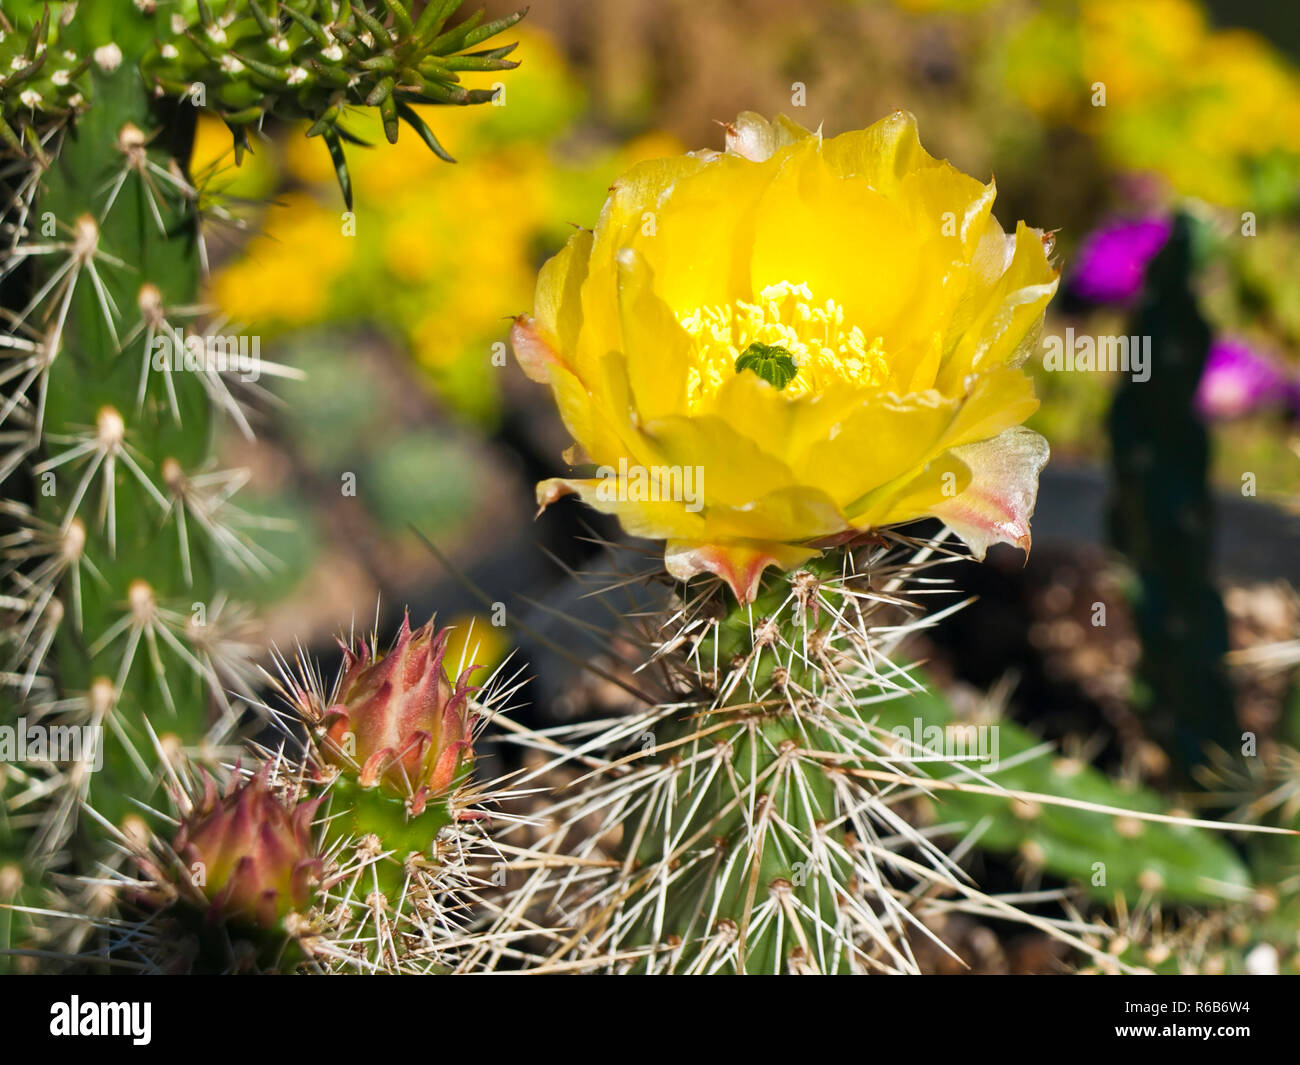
(1112, 262)
(1238, 380)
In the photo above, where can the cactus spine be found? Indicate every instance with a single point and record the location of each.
(116, 520)
(360, 844)
(783, 806)
(764, 817)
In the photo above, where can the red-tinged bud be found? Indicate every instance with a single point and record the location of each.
(249, 853)
(399, 723)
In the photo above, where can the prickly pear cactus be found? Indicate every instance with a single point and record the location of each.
(116, 520)
(359, 844)
(779, 804)
(1069, 819)
(797, 802)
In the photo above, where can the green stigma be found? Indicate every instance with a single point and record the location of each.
(773, 364)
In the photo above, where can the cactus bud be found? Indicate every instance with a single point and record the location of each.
(249, 853)
(399, 723)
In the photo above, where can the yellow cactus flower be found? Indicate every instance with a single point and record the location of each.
(792, 340)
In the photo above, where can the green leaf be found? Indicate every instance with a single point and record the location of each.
(331, 136)
(412, 119)
(1105, 852)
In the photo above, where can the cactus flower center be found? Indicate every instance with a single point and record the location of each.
(787, 320)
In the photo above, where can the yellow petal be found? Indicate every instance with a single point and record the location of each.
(635, 199)
(591, 421)
(996, 401)
(557, 304)
(533, 348)
(999, 501)
(698, 239)
(795, 512)
(739, 563)
(843, 239)
(737, 471)
(884, 439)
(654, 520)
(999, 326)
(914, 495)
(779, 425)
(656, 346)
(787, 514)
(753, 137)
(948, 205)
(882, 154)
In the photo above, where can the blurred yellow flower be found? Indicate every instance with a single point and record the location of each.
(437, 254)
(212, 143)
(1214, 113)
(473, 640)
(212, 163)
(792, 340)
(653, 145)
(286, 271)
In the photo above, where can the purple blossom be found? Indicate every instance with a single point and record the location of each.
(1112, 262)
(1238, 380)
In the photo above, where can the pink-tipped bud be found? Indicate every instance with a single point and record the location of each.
(400, 724)
(249, 853)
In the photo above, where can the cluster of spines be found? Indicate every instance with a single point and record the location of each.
(316, 59)
(351, 881)
(764, 815)
(103, 635)
(41, 83)
(115, 623)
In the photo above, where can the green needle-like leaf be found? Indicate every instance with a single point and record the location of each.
(409, 115)
(331, 137)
